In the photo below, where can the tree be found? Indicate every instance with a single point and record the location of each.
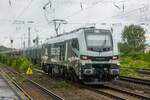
(133, 39)
(123, 48)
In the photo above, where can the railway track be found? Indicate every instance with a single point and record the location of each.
(145, 71)
(148, 69)
(135, 80)
(92, 89)
(119, 93)
(40, 88)
(127, 92)
(105, 93)
(23, 93)
(114, 90)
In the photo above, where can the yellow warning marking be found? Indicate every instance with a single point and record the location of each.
(29, 71)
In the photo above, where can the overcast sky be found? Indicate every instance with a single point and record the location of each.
(15, 15)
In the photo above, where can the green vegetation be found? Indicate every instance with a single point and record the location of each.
(20, 63)
(132, 63)
(61, 84)
(132, 56)
(133, 40)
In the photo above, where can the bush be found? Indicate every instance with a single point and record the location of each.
(20, 63)
(24, 65)
(4, 58)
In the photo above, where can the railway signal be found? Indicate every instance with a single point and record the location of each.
(11, 43)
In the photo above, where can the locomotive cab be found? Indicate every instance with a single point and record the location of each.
(99, 63)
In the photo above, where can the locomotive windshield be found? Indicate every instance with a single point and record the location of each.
(99, 40)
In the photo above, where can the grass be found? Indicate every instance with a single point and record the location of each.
(61, 84)
(132, 63)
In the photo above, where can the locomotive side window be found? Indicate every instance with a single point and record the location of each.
(75, 44)
(62, 52)
(49, 51)
(55, 52)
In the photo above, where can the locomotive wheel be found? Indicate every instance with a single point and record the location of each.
(64, 73)
(44, 68)
(50, 71)
(73, 76)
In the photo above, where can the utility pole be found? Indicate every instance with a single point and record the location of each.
(21, 42)
(29, 32)
(29, 36)
(24, 43)
(57, 23)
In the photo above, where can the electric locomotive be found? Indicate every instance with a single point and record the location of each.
(86, 54)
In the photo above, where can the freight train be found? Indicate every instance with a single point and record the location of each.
(85, 54)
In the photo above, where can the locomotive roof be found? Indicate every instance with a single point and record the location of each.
(69, 35)
(33, 47)
(66, 36)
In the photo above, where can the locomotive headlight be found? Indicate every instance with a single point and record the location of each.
(115, 58)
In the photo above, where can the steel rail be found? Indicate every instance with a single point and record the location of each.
(53, 95)
(28, 97)
(141, 96)
(147, 72)
(105, 94)
(135, 80)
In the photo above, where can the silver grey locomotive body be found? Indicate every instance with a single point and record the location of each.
(85, 54)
